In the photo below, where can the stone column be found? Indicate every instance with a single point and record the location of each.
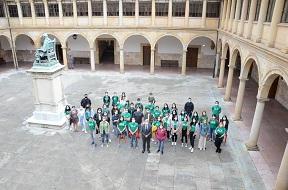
(261, 19)
(33, 14)
(227, 14)
(120, 13)
(46, 11)
(121, 60)
(251, 18)
(216, 64)
(187, 13)
(227, 96)
(183, 68)
(223, 17)
(136, 12)
(92, 58)
(231, 15)
(170, 13)
(153, 12)
(105, 21)
(281, 181)
(20, 15)
(255, 129)
(243, 16)
(152, 61)
(75, 21)
(237, 14)
(204, 13)
(276, 18)
(65, 61)
(97, 60)
(221, 74)
(240, 97)
(60, 12)
(89, 12)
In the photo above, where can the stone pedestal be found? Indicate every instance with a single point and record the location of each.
(49, 99)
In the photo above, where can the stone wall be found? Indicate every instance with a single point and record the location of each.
(133, 58)
(282, 93)
(167, 56)
(206, 61)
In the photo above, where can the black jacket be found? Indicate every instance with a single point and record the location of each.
(138, 117)
(189, 107)
(85, 101)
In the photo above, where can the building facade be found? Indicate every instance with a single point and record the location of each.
(247, 37)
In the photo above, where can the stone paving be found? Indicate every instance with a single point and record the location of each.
(46, 159)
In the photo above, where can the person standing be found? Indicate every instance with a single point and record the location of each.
(92, 130)
(138, 115)
(122, 130)
(115, 99)
(146, 131)
(155, 125)
(161, 135)
(74, 119)
(174, 110)
(220, 133)
(85, 101)
(203, 117)
(67, 112)
(213, 125)
(174, 130)
(115, 122)
(225, 122)
(139, 104)
(216, 110)
(131, 108)
(106, 99)
(165, 110)
(133, 128)
(166, 121)
(151, 98)
(203, 132)
(104, 131)
(192, 133)
(189, 107)
(184, 127)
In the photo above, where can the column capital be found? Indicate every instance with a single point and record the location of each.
(243, 79)
(92, 48)
(152, 49)
(64, 47)
(262, 100)
(184, 50)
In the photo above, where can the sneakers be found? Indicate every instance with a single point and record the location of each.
(143, 151)
(182, 145)
(158, 151)
(175, 143)
(162, 152)
(186, 145)
(148, 151)
(107, 145)
(102, 145)
(190, 147)
(192, 150)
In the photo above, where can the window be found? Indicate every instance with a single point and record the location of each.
(53, 9)
(178, 8)
(2, 12)
(248, 10)
(213, 9)
(97, 8)
(82, 8)
(39, 8)
(161, 7)
(128, 7)
(13, 12)
(285, 13)
(270, 10)
(195, 8)
(145, 7)
(258, 5)
(67, 7)
(112, 8)
(26, 9)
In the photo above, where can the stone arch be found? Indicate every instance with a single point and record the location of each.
(7, 38)
(136, 34)
(235, 51)
(24, 34)
(219, 46)
(167, 35)
(226, 47)
(199, 36)
(67, 36)
(109, 34)
(267, 81)
(54, 35)
(247, 63)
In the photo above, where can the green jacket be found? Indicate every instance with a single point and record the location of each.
(91, 125)
(220, 131)
(115, 99)
(193, 128)
(104, 126)
(156, 113)
(156, 123)
(106, 99)
(166, 122)
(150, 107)
(122, 126)
(216, 110)
(126, 115)
(165, 111)
(184, 125)
(213, 123)
(202, 118)
(133, 127)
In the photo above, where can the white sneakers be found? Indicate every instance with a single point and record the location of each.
(192, 149)
(186, 145)
(182, 144)
(173, 143)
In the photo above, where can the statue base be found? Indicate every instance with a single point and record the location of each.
(49, 98)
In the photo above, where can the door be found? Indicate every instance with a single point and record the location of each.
(146, 55)
(192, 57)
(59, 53)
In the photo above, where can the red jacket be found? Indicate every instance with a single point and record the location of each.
(161, 134)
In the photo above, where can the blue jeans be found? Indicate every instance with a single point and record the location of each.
(134, 140)
(105, 138)
(212, 134)
(161, 145)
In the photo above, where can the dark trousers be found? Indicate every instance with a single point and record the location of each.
(146, 140)
(174, 137)
(184, 136)
(218, 142)
(192, 139)
(168, 134)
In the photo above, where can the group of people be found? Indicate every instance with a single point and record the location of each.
(148, 122)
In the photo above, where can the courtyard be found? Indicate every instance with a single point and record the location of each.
(50, 159)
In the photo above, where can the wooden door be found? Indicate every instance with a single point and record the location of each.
(146, 55)
(192, 57)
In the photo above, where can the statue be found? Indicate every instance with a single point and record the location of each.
(46, 55)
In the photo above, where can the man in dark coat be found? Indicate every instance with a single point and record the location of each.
(85, 101)
(146, 131)
(189, 107)
(138, 115)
